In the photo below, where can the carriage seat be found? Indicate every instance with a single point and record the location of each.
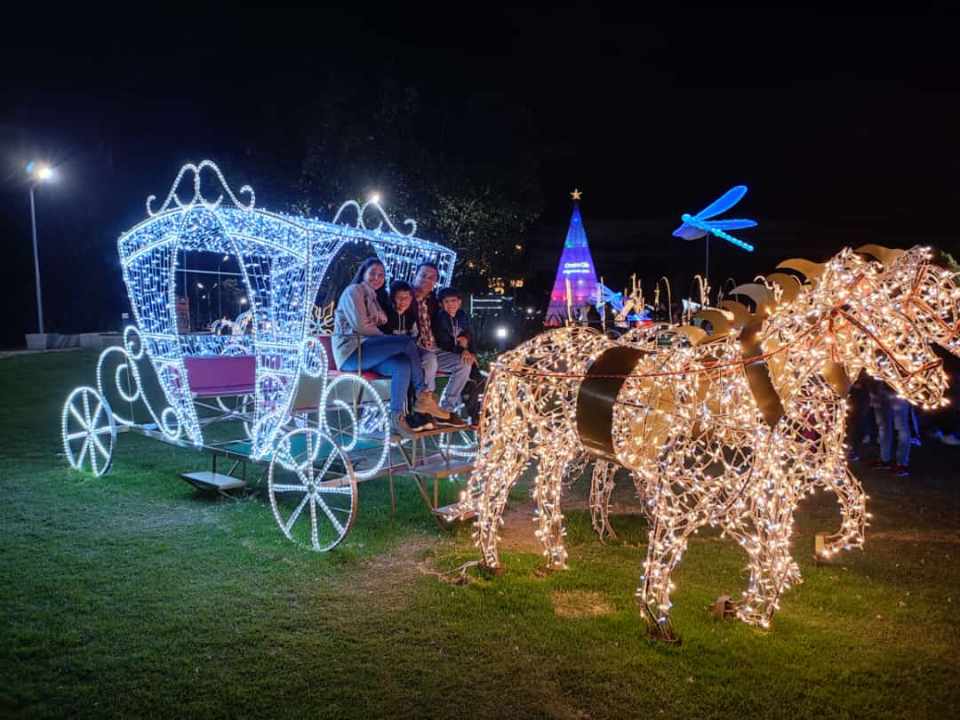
(220, 375)
(332, 369)
(332, 366)
(214, 375)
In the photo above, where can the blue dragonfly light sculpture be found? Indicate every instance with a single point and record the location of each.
(618, 302)
(701, 225)
(611, 298)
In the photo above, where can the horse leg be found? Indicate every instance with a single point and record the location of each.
(853, 509)
(667, 541)
(772, 568)
(547, 490)
(601, 487)
(500, 462)
(641, 486)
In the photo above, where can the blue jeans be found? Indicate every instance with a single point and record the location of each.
(450, 363)
(894, 417)
(393, 355)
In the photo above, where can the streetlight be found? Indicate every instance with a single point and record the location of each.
(501, 333)
(38, 172)
(220, 285)
(196, 297)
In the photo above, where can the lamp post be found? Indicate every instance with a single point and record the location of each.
(196, 296)
(38, 173)
(219, 287)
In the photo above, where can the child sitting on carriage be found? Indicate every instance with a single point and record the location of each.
(452, 332)
(400, 311)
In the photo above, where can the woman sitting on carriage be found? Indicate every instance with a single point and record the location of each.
(360, 344)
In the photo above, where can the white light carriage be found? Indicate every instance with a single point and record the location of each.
(267, 369)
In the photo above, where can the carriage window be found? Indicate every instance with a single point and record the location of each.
(340, 271)
(209, 288)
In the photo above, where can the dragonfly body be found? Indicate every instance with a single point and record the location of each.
(702, 224)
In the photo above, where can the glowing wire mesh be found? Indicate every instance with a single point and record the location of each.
(729, 429)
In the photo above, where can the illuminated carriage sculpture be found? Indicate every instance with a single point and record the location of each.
(251, 377)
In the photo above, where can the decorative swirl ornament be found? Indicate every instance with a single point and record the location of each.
(361, 225)
(320, 320)
(128, 383)
(198, 197)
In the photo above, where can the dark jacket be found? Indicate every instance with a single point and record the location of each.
(397, 324)
(447, 329)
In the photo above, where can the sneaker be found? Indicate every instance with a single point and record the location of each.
(950, 439)
(427, 404)
(454, 421)
(419, 422)
(881, 465)
(472, 397)
(901, 470)
(398, 425)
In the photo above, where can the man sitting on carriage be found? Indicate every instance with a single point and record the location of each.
(434, 357)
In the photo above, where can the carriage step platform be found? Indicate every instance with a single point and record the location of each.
(451, 513)
(213, 481)
(396, 437)
(439, 467)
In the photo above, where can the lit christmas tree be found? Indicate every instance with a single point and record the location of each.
(576, 284)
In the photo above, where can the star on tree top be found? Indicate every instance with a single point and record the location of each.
(576, 194)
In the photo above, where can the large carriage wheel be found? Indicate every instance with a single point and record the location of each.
(313, 489)
(355, 417)
(89, 431)
(462, 443)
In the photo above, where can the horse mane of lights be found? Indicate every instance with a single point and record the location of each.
(729, 428)
(283, 260)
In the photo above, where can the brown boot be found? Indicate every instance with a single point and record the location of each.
(427, 403)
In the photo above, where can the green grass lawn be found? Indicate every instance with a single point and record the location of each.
(132, 595)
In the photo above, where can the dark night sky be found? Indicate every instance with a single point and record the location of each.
(844, 126)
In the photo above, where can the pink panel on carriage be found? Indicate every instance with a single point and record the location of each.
(221, 375)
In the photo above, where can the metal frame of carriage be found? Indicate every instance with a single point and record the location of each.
(267, 393)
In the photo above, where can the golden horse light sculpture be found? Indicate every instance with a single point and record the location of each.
(728, 429)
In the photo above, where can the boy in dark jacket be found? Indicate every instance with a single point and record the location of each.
(452, 327)
(401, 313)
(454, 337)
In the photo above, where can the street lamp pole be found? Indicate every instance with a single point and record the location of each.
(36, 259)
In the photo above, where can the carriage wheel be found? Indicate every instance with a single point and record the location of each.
(462, 443)
(355, 417)
(313, 489)
(89, 431)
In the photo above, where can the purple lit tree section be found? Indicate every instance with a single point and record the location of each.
(576, 265)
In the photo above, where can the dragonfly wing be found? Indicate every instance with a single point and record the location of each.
(688, 232)
(732, 224)
(723, 203)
